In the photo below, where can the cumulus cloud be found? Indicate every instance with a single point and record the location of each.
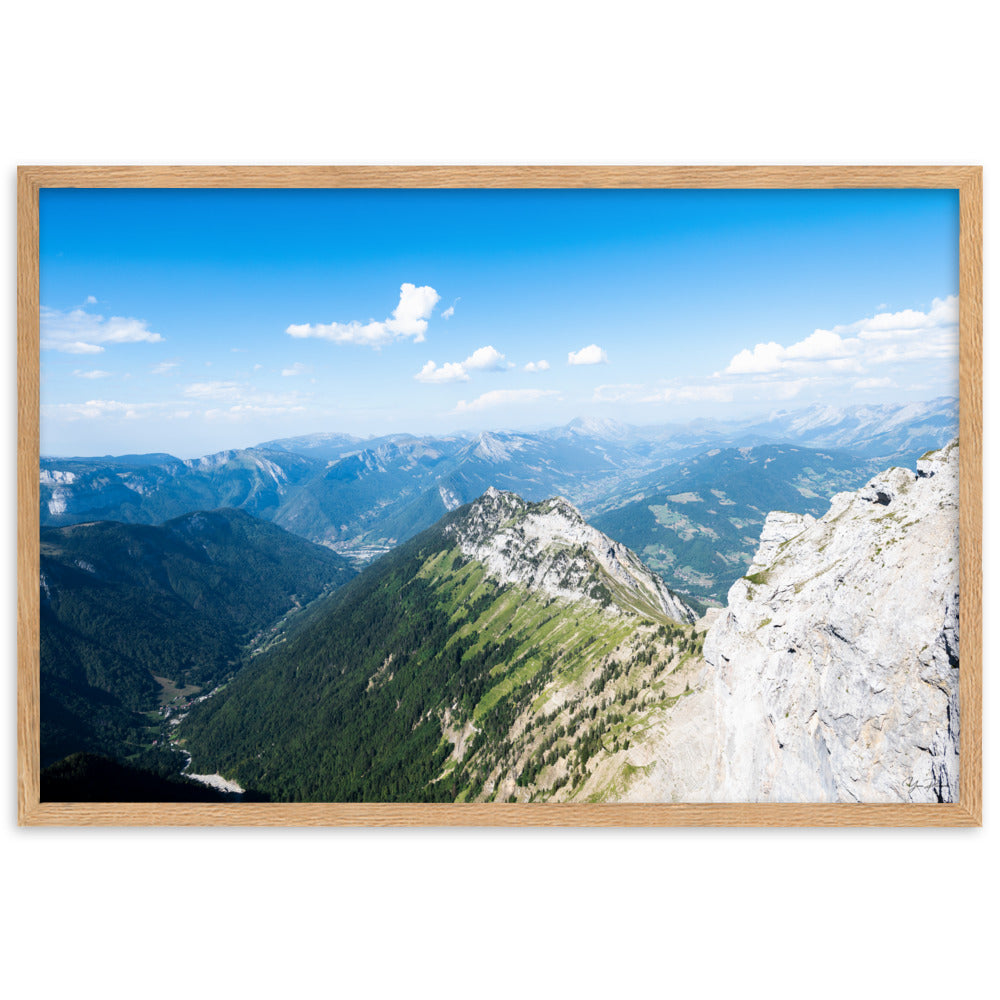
(909, 335)
(537, 366)
(590, 355)
(486, 358)
(409, 319)
(452, 371)
(96, 373)
(483, 359)
(80, 332)
(503, 397)
(90, 300)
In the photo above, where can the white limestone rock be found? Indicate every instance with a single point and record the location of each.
(834, 671)
(549, 547)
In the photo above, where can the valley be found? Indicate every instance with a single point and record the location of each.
(136, 618)
(523, 618)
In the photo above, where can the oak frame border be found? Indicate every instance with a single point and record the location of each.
(966, 812)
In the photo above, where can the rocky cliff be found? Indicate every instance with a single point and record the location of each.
(833, 673)
(549, 547)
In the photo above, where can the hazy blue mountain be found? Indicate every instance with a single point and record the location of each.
(889, 430)
(698, 523)
(362, 497)
(374, 499)
(149, 489)
(321, 446)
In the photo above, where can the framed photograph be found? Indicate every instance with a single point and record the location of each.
(520, 496)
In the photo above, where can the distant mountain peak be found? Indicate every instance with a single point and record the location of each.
(599, 427)
(548, 546)
(497, 447)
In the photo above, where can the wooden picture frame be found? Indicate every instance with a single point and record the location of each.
(967, 811)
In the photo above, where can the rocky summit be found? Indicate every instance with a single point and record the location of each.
(833, 673)
(549, 547)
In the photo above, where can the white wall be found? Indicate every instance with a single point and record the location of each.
(707, 913)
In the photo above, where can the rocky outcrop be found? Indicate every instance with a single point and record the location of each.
(833, 674)
(549, 547)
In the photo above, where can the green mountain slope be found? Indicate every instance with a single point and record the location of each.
(496, 655)
(134, 614)
(698, 524)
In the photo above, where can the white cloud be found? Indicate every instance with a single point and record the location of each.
(875, 383)
(591, 355)
(909, 335)
(95, 408)
(297, 369)
(537, 366)
(409, 319)
(81, 332)
(448, 313)
(164, 367)
(503, 397)
(96, 373)
(90, 300)
(453, 371)
(943, 314)
(487, 359)
(482, 359)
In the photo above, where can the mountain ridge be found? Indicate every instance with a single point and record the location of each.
(469, 676)
(361, 497)
(832, 675)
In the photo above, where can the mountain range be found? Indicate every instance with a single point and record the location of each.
(515, 653)
(361, 498)
(529, 618)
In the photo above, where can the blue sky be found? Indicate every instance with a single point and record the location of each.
(192, 321)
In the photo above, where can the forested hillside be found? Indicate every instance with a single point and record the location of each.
(435, 677)
(132, 614)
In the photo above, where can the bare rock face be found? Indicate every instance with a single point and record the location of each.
(549, 547)
(834, 670)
